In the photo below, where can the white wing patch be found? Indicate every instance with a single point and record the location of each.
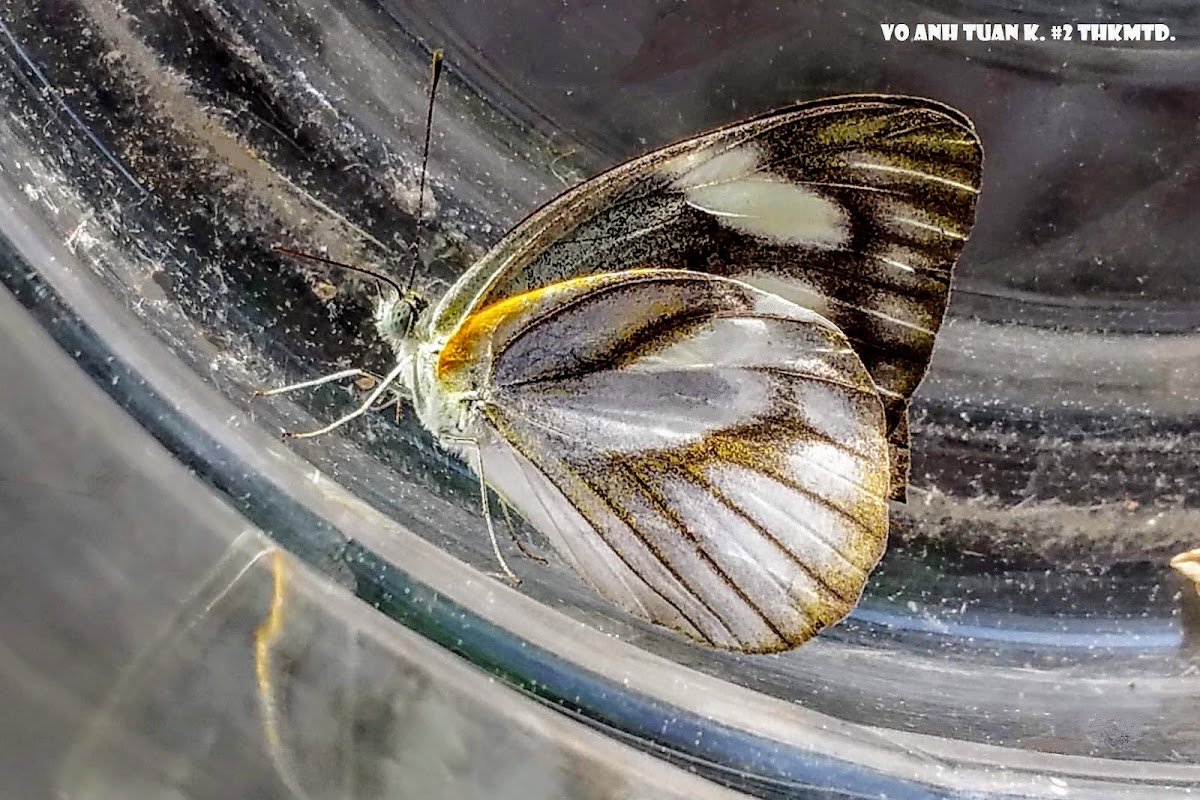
(732, 188)
(795, 288)
(707, 166)
(744, 344)
(885, 307)
(657, 406)
(829, 412)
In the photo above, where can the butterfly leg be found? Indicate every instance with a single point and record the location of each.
(393, 399)
(392, 402)
(372, 398)
(512, 532)
(483, 501)
(387, 402)
(292, 387)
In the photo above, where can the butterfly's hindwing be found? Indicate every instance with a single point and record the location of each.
(855, 208)
(706, 455)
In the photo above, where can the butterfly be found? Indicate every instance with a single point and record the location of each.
(692, 373)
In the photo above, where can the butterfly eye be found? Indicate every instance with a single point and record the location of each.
(416, 304)
(396, 314)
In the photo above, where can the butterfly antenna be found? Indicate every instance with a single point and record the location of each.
(435, 72)
(287, 251)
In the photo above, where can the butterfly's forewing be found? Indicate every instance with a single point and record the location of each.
(706, 455)
(854, 207)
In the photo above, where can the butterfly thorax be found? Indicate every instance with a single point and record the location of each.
(448, 405)
(445, 410)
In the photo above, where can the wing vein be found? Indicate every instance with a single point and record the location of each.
(657, 500)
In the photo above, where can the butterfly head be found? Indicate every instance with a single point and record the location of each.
(396, 315)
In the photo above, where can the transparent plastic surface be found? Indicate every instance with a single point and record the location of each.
(1024, 635)
(272, 682)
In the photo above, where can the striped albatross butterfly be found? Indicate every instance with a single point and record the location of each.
(692, 372)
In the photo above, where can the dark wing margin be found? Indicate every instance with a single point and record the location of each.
(855, 207)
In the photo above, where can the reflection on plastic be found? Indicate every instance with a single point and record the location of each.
(272, 683)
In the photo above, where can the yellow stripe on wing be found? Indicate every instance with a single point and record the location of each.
(469, 341)
(463, 345)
